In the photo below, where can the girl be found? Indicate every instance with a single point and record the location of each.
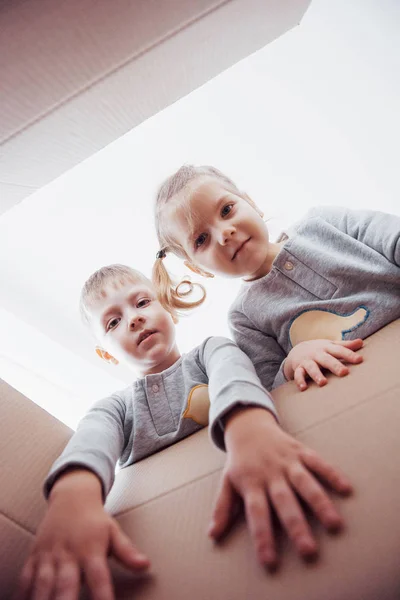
(307, 298)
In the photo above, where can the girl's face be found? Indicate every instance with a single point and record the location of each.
(225, 233)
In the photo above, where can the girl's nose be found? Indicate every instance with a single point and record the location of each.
(226, 234)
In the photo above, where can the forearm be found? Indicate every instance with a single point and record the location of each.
(233, 382)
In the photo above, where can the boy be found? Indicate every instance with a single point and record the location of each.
(121, 308)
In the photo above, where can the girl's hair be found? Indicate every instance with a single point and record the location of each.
(112, 275)
(169, 295)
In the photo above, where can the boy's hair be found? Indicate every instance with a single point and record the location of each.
(168, 292)
(111, 275)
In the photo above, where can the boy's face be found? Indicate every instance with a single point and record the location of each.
(132, 326)
(227, 235)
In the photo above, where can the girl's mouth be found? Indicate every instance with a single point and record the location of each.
(242, 245)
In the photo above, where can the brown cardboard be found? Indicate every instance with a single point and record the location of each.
(164, 502)
(88, 72)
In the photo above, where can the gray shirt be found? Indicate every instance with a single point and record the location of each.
(336, 277)
(159, 410)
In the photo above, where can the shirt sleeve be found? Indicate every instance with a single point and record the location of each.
(378, 230)
(280, 377)
(232, 381)
(264, 351)
(96, 445)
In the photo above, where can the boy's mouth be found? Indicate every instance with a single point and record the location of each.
(144, 335)
(239, 248)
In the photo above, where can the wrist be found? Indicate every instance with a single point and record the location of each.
(76, 484)
(240, 416)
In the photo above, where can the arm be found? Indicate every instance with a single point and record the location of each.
(264, 351)
(232, 382)
(76, 535)
(380, 231)
(269, 470)
(96, 445)
(265, 466)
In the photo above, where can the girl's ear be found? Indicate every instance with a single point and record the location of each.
(104, 355)
(197, 269)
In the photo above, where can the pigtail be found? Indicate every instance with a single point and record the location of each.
(171, 295)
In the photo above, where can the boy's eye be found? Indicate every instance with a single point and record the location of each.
(200, 240)
(112, 324)
(143, 302)
(226, 210)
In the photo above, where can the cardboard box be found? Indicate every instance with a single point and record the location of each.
(164, 502)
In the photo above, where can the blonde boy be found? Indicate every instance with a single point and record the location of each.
(76, 536)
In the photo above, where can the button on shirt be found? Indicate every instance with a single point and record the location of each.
(337, 276)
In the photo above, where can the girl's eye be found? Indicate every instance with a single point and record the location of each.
(200, 240)
(143, 302)
(226, 210)
(112, 324)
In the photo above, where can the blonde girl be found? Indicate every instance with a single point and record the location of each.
(308, 299)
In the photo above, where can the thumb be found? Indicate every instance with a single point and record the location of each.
(123, 550)
(224, 509)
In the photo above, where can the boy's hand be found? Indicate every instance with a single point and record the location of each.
(74, 538)
(267, 468)
(307, 357)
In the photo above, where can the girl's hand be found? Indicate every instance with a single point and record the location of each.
(268, 468)
(74, 538)
(307, 357)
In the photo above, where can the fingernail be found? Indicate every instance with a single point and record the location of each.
(346, 488)
(335, 525)
(308, 548)
(270, 559)
(141, 557)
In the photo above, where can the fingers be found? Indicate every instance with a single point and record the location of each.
(58, 578)
(25, 580)
(98, 578)
(223, 509)
(68, 581)
(47, 580)
(352, 344)
(44, 579)
(292, 519)
(313, 493)
(333, 476)
(259, 522)
(300, 378)
(313, 370)
(123, 549)
(333, 364)
(344, 353)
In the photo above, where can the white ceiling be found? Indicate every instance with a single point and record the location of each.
(311, 119)
(77, 75)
